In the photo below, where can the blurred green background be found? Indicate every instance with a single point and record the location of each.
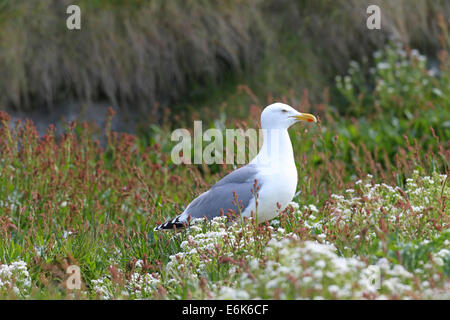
(138, 56)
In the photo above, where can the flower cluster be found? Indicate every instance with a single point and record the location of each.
(291, 269)
(380, 208)
(15, 279)
(138, 285)
(246, 260)
(400, 80)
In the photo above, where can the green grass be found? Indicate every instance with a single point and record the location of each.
(374, 194)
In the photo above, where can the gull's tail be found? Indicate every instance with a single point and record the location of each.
(174, 223)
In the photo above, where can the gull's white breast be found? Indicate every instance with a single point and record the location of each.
(277, 186)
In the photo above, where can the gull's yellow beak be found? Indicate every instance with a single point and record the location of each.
(306, 117)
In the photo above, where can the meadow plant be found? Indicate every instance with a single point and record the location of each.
(372, 197)
(15, 280)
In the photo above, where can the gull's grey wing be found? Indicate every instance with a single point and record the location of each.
(220, 196)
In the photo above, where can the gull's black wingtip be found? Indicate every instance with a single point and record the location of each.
(170, 225)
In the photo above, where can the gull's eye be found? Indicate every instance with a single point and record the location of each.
(283, 110)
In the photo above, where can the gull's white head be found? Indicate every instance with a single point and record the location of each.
(282, 116)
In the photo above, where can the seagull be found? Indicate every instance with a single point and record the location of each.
(264, 187)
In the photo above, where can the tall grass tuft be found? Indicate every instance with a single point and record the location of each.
(137, 53)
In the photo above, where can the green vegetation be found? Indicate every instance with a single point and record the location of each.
(374, 196)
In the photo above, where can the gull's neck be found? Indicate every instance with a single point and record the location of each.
(276, 150)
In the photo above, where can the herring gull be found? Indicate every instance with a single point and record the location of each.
(273, 169)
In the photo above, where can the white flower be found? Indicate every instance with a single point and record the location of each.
(66, 234)
(294, 205)
(377, 54)
(15, 276)
(320, 264)
(383, 65)
(233, 294)
(415, 53)
(437, 92)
